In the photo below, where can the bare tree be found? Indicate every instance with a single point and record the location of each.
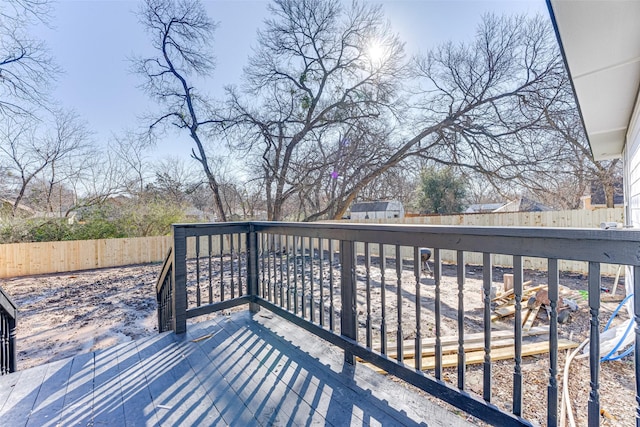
(26, 68)
(27, 151)
(181, 32)
(325, 110)
(131, 151)
(581, 169)
(99, 177)
(174, 180)
(319, 69)
(71, 140)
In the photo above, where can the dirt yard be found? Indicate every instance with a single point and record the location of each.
(65, 314)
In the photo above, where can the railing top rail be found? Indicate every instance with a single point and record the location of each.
(7, 304)
(165, 269)
(616, 246)
(493, 231)
(213, 228)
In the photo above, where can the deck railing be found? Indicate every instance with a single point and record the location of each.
(361, 287)
(8, 319)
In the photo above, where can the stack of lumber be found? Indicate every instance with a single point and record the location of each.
(502, 348)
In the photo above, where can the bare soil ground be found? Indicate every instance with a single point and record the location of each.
(65, 314)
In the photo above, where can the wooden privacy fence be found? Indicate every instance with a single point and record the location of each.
(570, 219)
(26, 259)
(23, 259)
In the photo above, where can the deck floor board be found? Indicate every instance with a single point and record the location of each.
(248, 370)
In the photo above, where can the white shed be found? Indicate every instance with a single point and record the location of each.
(377, 210)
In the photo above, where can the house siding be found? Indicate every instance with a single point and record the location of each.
(632, 170)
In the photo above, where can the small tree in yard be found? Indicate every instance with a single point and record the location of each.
(441, 191)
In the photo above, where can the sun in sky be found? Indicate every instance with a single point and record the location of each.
(376, 52)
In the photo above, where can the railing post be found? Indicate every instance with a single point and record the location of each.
(348, 314)
(252, 267)
(13, 358)
(179, 280)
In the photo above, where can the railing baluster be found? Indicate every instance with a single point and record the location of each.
(198, 302)
(210, 269)
(263, 250)
(594, 344)
(233, 286)
(461, 354)
(269, 249)
(312, 309)
(417, 268)
(4, 344)
(383, 299)
(295, 275)
(275, 269)
(517, 369)
(287, 248)
(487, 280)
(331, 306)
(321, 281)
(552, 388)
(303, 302)
(367, 266)
(437, 276)
(280, 266)
(240, 293)
(221, 267)
(399, 334)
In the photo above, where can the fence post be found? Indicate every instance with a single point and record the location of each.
(179, 279)
(252, 267)
(348, 314)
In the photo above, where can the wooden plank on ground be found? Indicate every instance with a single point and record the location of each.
(472, 342)
(509, 294)
(531, 317)
(477, 357)
(468, 338)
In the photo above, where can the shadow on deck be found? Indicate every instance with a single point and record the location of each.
(234, 370)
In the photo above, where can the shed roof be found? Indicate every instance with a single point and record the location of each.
(371, 206)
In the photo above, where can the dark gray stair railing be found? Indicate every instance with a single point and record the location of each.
(8, 323)
(164, 294)
(316, 275)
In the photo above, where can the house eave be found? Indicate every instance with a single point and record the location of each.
(600, 43)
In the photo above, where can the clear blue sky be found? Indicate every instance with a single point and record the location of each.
(92, 40)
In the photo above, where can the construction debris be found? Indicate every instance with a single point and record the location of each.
(533, 298)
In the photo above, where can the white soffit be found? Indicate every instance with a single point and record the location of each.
(601, 43)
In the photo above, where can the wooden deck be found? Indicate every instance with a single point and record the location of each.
(235, 370)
